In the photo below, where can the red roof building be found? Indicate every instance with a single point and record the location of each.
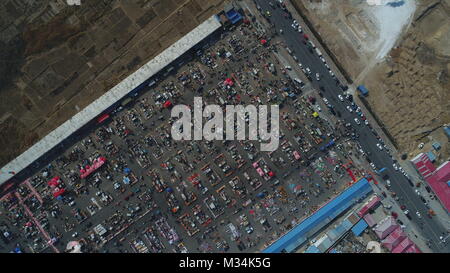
(367, 206)
(369, 220)
(393, 239)
(423, 165)
(402, 246)
(440, 183)
(385, 227)
(412, 249)
(437, 178)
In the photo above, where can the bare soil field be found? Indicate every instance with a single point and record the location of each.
(55, 59)
(409, 87)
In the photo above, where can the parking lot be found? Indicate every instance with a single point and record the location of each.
(129, 187)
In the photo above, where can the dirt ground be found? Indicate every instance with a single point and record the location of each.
(409, 89)
(55, 59)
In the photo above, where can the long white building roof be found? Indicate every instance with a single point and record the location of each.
(109, 98)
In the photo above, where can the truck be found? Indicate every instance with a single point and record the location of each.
(380, 171)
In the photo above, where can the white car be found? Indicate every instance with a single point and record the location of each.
(340, 97)
(318, 76)
(388, 183)
(294, 26)
(327, 66)
(349, 109)
(299, 64)
(380, 147)
(323, 60)
(395, 166)
(417, 192)
(318, 108)
(418, 214)
(288, 67)
(300, 29)
(331, 73)
(357, 121)
(325, 100)
(308, 70)
(366, 122)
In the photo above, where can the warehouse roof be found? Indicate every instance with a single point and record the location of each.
(320, 218)
(118, 92)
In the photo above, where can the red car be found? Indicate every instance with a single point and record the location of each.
(394, 214)
(403, 207)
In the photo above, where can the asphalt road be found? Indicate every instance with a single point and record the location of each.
(431, 228)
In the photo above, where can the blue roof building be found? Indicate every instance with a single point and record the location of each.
(314, 223)
(431, 156)
(313, 249)
(359, 227)
(232, 14)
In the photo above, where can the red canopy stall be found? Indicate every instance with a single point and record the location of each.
(85, 172)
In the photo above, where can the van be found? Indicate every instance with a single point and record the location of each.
(297, 80)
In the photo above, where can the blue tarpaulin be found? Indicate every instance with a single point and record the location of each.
(447, 131)
(363, 90)
(261, 195)
(127, 170)
(126, 180)
(233, 16)
(331, 143)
